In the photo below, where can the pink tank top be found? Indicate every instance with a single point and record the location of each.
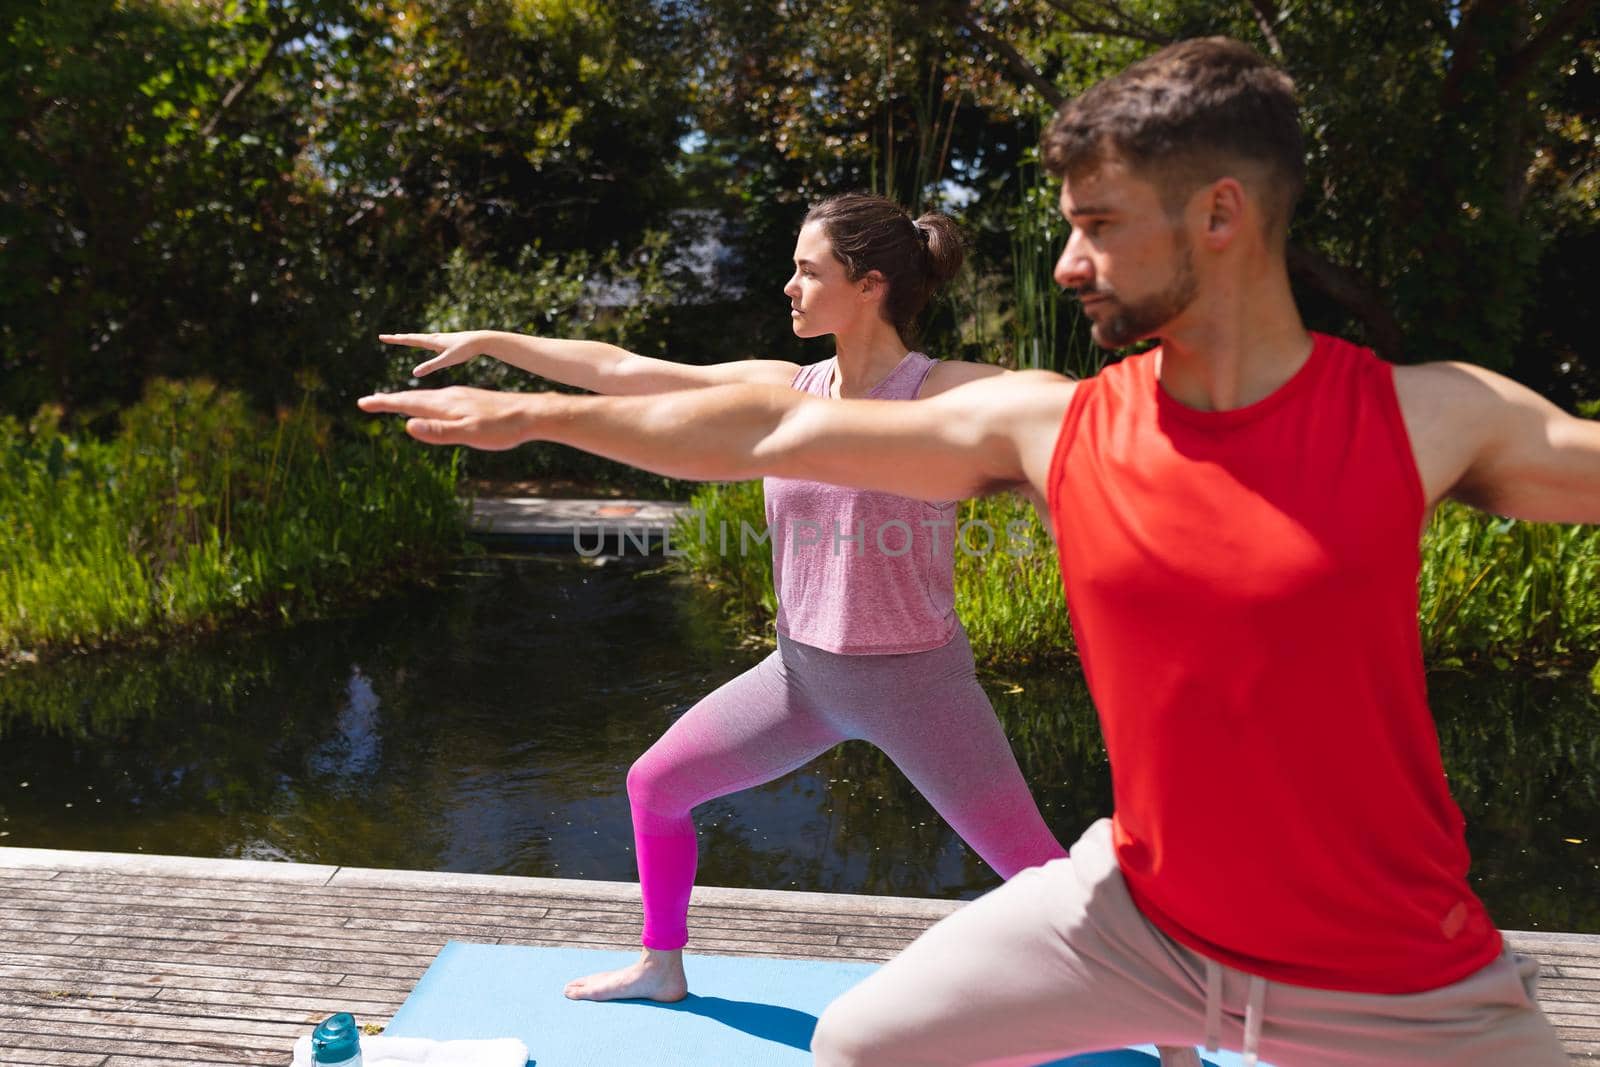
(862, 573)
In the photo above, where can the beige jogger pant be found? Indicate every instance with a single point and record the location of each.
(1059, 961)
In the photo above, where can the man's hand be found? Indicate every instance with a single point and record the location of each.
(480, 418)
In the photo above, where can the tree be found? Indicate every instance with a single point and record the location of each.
(1417, 232)
(247, 189)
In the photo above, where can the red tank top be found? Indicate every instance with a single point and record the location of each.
(1243, 588)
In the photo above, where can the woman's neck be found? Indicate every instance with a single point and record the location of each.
(866, 358)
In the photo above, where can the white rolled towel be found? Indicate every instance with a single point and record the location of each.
(421, 1052)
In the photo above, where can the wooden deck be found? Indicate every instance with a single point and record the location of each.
(591, 527)
(110, 960)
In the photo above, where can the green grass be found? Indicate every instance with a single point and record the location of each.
(1503, 591)
(199, 510)
(742, 575)
(1010, 600)
(1491, 590)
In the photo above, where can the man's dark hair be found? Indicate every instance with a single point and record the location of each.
(1186, 116)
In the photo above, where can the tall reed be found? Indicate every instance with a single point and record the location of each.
(1008, 586)
(1048, 330)
(199, 509)
(1503, 590)
(721, 546)
(1491, 590)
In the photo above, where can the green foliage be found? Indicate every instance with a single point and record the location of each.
(155, 202)
(1010, 597)
(1508, 591)
(1451, 209)
(1491, 590)
(199, 510)
(624, 299)
(740, 570)
(246, 190)
(221, 188)
(1048, 330)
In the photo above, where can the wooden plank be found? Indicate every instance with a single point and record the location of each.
(56, 895)
(113, 960)
(243, 965)
(29, 1050)
(86, 1030)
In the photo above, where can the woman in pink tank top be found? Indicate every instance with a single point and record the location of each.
(869, 646)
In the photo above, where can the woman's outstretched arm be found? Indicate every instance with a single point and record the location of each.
(592, 365)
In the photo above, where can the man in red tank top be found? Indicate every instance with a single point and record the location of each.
(1238, 514)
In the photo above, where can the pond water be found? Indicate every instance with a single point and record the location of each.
(486, 725)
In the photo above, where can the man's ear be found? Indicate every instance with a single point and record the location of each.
(1225, 208)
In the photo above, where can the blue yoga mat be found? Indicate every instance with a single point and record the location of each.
(745, 1011)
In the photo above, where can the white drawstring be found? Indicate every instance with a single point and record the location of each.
(1180, 1057)
(1213, 1005)
(1252, 1018)
(1255, 1009)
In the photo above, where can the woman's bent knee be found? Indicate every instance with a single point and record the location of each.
(650, 786)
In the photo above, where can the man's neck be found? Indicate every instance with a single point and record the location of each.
(1234, 347)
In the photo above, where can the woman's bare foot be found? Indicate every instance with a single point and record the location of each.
(657, 976)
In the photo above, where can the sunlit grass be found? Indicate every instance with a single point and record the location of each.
(200, 509)
(1508, 591)
(741, 573)
(1491, 590)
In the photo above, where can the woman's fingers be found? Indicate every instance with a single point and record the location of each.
(451, 349)
(434, 342)
(448, 358)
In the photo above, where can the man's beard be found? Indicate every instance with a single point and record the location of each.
(1134, 322)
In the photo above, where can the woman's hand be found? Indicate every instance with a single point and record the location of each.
(453, 348)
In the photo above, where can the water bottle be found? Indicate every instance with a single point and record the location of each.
(336, 1042)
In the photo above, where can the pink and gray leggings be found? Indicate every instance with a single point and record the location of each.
(925, 710)
(1055, 962)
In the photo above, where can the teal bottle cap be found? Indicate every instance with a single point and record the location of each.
(335, 1039)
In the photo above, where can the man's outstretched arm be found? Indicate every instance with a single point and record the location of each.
(989, 434)
(1485, 440)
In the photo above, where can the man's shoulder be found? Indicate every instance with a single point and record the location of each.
(1446, 385)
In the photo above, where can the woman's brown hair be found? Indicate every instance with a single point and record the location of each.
(915, 256)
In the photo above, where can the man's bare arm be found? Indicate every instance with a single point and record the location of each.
(1487, 441)
(989, 434)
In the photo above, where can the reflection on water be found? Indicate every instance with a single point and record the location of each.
(487, 724)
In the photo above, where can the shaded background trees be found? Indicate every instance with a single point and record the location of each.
(248, 189)
(244, 189)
